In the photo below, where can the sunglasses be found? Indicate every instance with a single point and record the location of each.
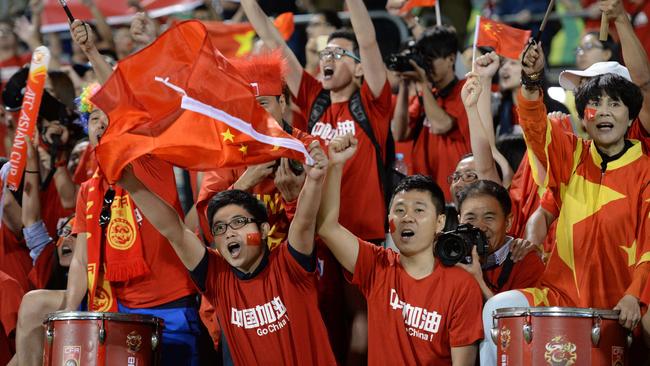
(336, 54)
(105, 215)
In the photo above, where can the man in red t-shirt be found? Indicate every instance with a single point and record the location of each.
(440, 132)
(266, 301)
(10, 295)
(419, 311)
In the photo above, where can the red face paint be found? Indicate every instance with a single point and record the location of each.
(590, 113)
(253, 239)
(391, 226)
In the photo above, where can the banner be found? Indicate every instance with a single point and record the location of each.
(28, 115)
(116, 12)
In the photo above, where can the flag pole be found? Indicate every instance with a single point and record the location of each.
(478, 23)
(438, 17)
(64, 4)
(543, 25)
(604, 27)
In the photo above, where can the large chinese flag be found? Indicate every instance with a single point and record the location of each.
(412, 4)
(236, 39)
(180, 100)
(507, 41)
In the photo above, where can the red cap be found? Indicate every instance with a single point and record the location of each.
(265, 72)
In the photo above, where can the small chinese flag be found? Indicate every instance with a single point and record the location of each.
(236, 40)
(507, 41)
(180, 100)
(412, 4)
(590, 114)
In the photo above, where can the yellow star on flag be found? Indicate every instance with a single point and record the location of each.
(631, 253)
(275, 148)
(245, 41)
(244, 149)
(540, 296)
(227, 136)
(580, 200)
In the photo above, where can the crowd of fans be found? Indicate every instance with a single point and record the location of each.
(343, 261)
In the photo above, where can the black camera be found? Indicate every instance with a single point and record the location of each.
(456, 246)
(400, 61)
(295, 166)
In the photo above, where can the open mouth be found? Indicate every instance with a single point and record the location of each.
(65, 250)
(605, 126)
(406, 233)
(234, 249)
(328, 72)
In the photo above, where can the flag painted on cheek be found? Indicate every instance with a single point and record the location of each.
(391, 226)
(253, 239)
(590, 114)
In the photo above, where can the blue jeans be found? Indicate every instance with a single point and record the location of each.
(180, 334)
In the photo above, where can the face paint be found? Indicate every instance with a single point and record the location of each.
(253, 239)
(590, 113)
(391, 226)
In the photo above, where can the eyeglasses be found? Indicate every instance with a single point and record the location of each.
(219, 228)
(105, 215)
(586, 47)
(465, 176)
(63, 232)
(336, 54)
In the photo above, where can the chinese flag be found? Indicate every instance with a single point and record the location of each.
(236, 40)
(180, 100)
(412, 4)
(507, 41)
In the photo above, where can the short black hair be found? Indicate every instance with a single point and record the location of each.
(616, 87)
(346, 34)
(240, 198)
(423, 183)
(486, 188)
(438, 42)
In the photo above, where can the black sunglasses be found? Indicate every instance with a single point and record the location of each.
(105, 215)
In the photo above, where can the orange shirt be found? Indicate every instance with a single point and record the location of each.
(168, 279)
(602, 247)
(437, 155)
(366, 213)
(271, 318)
(416, 322)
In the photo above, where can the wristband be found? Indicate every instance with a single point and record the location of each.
(532, 81)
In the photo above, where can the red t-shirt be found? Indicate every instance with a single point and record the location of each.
(360, 185)
(638, 132)
(11, 293)
(40, 274)
(525, 273)
(272, 318)
(51, 209)
(14, 257)
(11, 65)
(168, 279)
(437, 155)
(416, 321)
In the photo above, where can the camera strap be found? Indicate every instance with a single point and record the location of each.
(508, 264)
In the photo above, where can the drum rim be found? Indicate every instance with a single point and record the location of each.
(556, 311)
(94, 315)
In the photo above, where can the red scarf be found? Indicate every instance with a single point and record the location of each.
(115, 253)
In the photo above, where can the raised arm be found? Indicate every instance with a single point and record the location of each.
(400, 122)
(31, 212)
(103, 28)
(303, 225)
(374, 71)
(83, 35)
(471, 93)
(271, 36)
(343, 244)
(634, 54)
(165, 219)
(77, 274)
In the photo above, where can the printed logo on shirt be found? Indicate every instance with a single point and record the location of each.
(267, 318)
(326, 132)
(420, 323)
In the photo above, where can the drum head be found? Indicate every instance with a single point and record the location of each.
(557, 311)
(90, 315)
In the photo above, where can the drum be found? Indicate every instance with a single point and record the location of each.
(88, 338)
(559, 337)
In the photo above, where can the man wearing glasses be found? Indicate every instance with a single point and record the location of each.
(265, 301)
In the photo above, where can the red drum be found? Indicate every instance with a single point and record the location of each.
(559, 337)
(102, 339)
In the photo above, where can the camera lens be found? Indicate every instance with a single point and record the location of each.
(450, 249)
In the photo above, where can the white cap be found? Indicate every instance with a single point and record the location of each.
(570, 79)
